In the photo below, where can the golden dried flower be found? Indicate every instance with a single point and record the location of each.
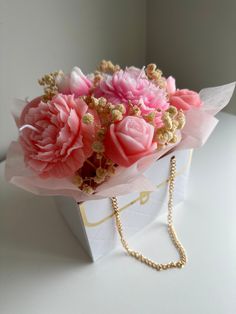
(99, 156)
(101, 172)
(181, 119)
(99, 180)
(77, 180)
(174, 139)
(97, 79)
(151, 67)
(98, 147)
(116, 115)
(150, 117)
(164, 137)
(87, 189)
(121, 108)
(94, 102)
(108, 67)
(172, 111)
(48, 81)
(111, 170)
(102, 101)
(109, 162)
(136, 111)
(101, 134)
(161, 82)
(110, 106)
(88, 118)
(167, 120)
(175, 125)
(156, 75)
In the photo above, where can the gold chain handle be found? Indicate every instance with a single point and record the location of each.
(171, 230)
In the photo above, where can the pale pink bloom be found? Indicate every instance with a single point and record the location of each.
(132, 85)
(182, 98)
(170, 85)
(185, 99)
(55, 140)
(74, 83)
(129, 140)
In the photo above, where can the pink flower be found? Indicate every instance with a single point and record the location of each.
(74, 83)
(170, 85)
(132, 85)
(182, 98)
(55, 140)
(129, 140)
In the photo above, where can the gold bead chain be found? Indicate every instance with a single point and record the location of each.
(171, 230)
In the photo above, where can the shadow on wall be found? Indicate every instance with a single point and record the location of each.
(73, 33)
(195, 41)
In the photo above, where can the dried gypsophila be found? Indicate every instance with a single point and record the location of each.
(88, 184)
(173, 120)
(108, 67)
(154, 74)
(48, 81)
(105, 67)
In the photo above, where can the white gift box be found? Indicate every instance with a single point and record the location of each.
(93, 223)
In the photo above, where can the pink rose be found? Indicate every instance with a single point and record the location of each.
(185, 99)
(74, 83)
(132, 85)
(182, 98)
(55, 140)
(129, 140)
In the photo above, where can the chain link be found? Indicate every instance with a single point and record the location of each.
(170, 227)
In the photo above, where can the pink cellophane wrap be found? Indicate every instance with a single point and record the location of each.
(199, 125)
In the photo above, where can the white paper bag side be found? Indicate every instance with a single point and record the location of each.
(93, 223)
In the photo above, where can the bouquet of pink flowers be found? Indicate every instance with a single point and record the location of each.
(92, 136)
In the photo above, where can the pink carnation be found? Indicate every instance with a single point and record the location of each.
(55, 140)
(74, 83)
(132, 85)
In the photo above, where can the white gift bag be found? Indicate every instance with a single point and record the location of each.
(93, 223)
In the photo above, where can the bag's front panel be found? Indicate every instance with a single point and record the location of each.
(137, 209)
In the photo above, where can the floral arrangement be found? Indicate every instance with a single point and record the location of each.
(89, 135)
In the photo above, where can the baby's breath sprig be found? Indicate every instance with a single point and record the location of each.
(48, 81)
(154, 74)
(116, 115)
(98, 147)
(98, 168)
(77, 180)
(108, 67)
(105, 67)
(106, 111)
(86, 188)
(173, 120)
(150, 117)
(88, 118)
(101, 169)
(133, 110)
(97, 78)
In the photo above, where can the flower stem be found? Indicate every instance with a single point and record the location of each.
(90, 163)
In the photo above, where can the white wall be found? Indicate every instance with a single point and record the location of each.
(195, 40)
(39, 36)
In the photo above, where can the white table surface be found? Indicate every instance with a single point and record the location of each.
(43, 269)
